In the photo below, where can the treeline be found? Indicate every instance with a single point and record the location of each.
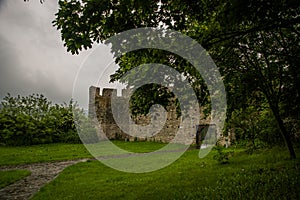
(35, 120)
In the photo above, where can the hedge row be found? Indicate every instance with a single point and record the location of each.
(35, 120)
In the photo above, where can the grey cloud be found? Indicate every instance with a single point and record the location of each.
(32, 56)
(14, 78)
(2, 3)
(8, 79)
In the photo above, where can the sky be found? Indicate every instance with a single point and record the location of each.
(34, 60)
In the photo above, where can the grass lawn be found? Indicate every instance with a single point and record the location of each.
(41, 153)
(265, 174)
(11, 176)
(139, 147)
(52, 152)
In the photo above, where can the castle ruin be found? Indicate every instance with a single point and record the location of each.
(100, 108)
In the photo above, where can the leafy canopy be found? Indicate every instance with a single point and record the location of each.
(255, 43)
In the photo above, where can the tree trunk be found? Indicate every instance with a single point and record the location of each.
(284, 132)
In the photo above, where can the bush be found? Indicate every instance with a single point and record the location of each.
(35, 120)
(222, 156)
(254, 127)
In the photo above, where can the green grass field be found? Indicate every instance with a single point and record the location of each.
(264, 174)
(53, 152)
(11, 176)
(41, 153)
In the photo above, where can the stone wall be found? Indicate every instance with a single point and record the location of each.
(100, 108)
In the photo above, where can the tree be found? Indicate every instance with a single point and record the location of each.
(34, 120)
(252, 42)
(255, 124)
(264, 58)
(269, 71)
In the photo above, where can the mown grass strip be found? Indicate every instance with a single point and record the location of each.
(10, 155)
(11, 176)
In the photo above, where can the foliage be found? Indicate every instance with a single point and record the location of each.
(268, 69)
(222, 156)
(260, 56)
(148, 95)
(11, 176)
(34, 120)
(92, 22)
(255, 126)
(254, 43)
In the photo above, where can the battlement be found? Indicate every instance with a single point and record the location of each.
(106, 92)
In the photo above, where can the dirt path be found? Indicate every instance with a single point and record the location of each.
(41, 173)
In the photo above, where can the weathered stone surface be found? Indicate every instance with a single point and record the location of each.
(101, 109)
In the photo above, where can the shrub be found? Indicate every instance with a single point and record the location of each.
(222, 156)
(35, 120)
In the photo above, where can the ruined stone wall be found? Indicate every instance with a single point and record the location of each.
(100, 109)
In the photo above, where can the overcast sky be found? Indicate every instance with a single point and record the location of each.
(32, 56)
